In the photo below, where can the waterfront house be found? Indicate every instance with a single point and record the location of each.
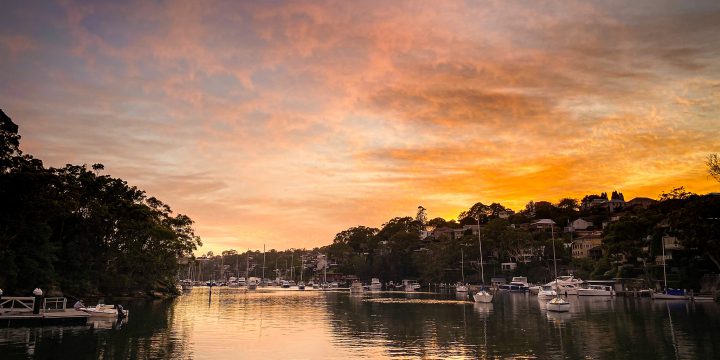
(587, 245)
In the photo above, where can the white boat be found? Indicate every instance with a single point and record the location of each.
(285, 284)
(596, 290)
(186, 284)
(482, 296)
(546, 292)
(102, 310)
(252, 284)
(334, 285)
(356, 288)
(301, 286)
(518, 284)
(461, 287)
(410, 285)
(233, 282)
(557, 304)
(375, 284)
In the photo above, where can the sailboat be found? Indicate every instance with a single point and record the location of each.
(668, 294)
(557, 304)
(482, 296)
(301, 284)
(461, 287)
(251, 283)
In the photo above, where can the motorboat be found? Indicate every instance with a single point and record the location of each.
(461, 288)
(546, 292)
(375, 284)
(334, 285)
(252, 284)
(356, 288)
(410, 285)
(558, 304)
(106, 311)
(186, 284)
(596, 290)
(301, 286)
(483, 296)
(241, 281)
(285, 284)
(233, 282)
(518, 284)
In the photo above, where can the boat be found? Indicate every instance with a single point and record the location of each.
(518, 284)
(241, 281)
(186, 284)
(375, 284)
(557, 304)
(356, 288)
(410, 285)
(461, 287)
(667, 293)
(285, 284)
(546, 292)
(233, 282)
(301, 286)
(596, 290)
(334, 285)
(252, 284)
(482, 296)
(106, 311)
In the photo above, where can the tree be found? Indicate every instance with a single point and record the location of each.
(477, 211)
(421, 216)
(713, 164)
(676, 194)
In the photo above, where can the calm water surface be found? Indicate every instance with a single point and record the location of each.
(281, 324)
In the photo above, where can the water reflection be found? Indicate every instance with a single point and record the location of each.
(236, 324)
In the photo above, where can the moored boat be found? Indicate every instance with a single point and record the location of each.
(102, 310)
(356, 288)
(596, 290)
(375, 284)
(558, 304)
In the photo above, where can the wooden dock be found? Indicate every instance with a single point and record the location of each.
(18, 311)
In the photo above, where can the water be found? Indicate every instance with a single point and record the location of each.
(281, 324)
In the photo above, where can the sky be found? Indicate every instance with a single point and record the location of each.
(284, 123)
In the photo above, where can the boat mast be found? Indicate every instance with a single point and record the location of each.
(462, 265)
(262, 281)
(302, 266)
(247, 267)
(552, 232)
(482, 270)
(292, 265)
(664, 270)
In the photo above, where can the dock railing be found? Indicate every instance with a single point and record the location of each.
(54, 304)
(17, 304)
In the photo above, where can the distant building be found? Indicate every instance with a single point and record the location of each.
(588, 245)
(672, 245)
(579, 224)
(641, 202)
(542, 224)
(509, 266)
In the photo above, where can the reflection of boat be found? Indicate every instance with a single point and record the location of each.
(107, 311)
(482, 296)
(410, 285)
(596, 290)
(375, 284)
(556, 304)
(483, 309)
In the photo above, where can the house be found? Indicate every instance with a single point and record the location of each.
(587, 246)
(641, 202)
(509, 266)
(505, 214)
(543, 224)
(579, 224)
(672, 245)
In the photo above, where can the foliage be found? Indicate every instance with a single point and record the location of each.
(74, 230)
(713, 164)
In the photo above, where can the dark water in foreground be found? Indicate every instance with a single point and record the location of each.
(235, 324)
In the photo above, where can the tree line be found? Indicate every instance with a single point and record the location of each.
(75, 231)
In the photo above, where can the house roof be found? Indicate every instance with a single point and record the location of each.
(544, 222)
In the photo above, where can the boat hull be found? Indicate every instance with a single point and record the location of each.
(558, 307)
(483, 297)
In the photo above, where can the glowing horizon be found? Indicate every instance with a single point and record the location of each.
(285, 123)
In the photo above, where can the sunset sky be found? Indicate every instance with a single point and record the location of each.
(283, 123)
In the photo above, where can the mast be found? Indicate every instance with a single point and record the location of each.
(262, 281)
(482, 269)
(302, 266)
(552, 232)
(247, 267)
(462, 265)
(292, 265)
(664, 270)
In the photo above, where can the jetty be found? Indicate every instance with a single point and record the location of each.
(24, 311)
